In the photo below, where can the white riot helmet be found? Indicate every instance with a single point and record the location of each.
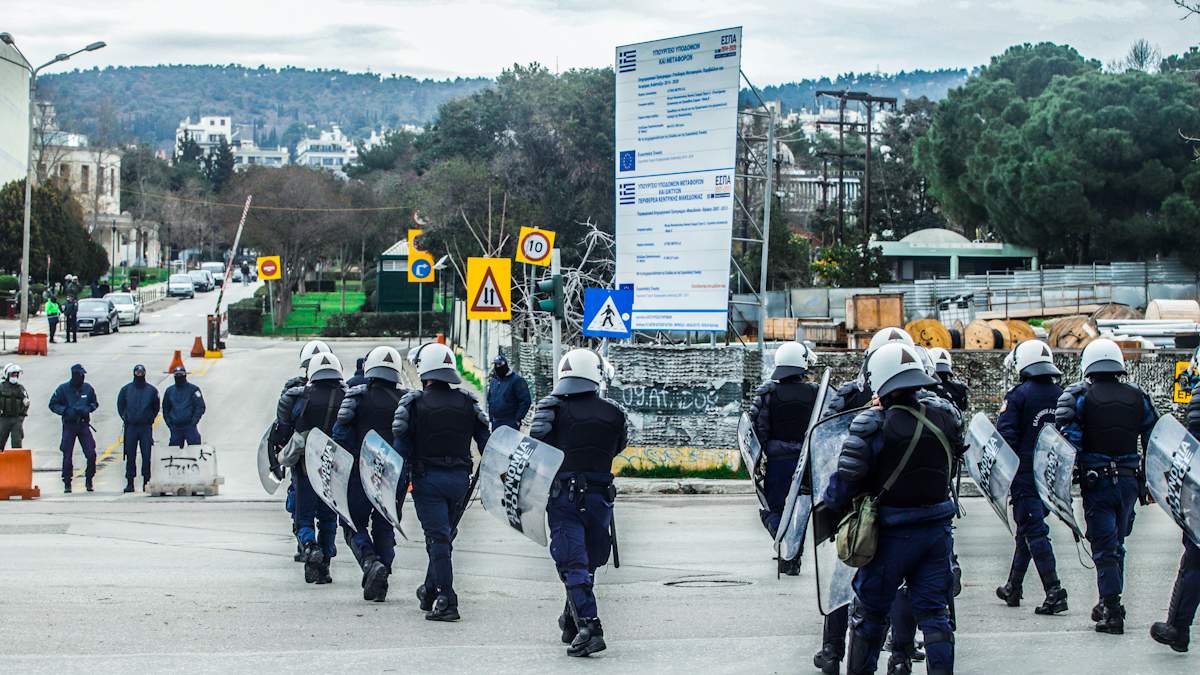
(579, 371)
(896, 366)
(1102, 356)
(435, 361)
(324, 366)
(383, 362)
(11, 369)
(888, 336)
(793, 358)
(1032, 358)
(926, 360)
(312, 347)
(942, 362)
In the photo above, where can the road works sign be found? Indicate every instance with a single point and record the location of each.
(489, 288)
(534, 246)
(420, 263)
(607, 313)
(270, 268)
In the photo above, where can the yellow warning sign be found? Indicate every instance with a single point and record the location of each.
(534, 246)
(489, 288)
(1183, 377)
(420, 263)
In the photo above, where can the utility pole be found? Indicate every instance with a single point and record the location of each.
(867, 102)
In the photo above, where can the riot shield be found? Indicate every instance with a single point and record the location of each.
(753, 457)
(834, 577)
(1173, 474)
(380, 468)
(992, 464)
(515, 475)
(1053, 469)
(329, 467)
(291, 454)
(794, 522)
(269, 482)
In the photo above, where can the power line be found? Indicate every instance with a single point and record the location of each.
(256, 207)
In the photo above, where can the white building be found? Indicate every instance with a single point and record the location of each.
(247, 154)
(332, 150)
(207, 132)
(14, 114)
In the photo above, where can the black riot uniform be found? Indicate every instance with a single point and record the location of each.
(591, 432)
(1185, 596)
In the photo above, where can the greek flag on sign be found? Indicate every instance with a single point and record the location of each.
(627, 61)
(627, 194)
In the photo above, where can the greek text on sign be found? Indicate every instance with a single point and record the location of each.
(489, 288)
(270, 268)
(676, 146)
(534, 246)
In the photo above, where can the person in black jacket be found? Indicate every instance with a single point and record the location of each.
(182, 408)
(432, 430)
(137, 406)
(313, 405)
(70, 312)
(902, 453)
(75, 401)
(591, 431)
(950, 386)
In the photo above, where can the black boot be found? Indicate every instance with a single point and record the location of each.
(313, 557)
(1113, 621)
(87, 483)
(1166, 634)
(374, 581)
(899, 664)
(1010, 594)
(66, 486)
(1098, 611)
(443, 610)
(423, 597)
(790, 568)
(128, 485)
(589, 640)
(829, 659)
(1055, 602)
(324, 577)
(566, 623)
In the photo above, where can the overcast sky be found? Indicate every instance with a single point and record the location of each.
(784, 40)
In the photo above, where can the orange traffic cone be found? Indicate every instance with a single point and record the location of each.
(198, 348)
(176, 362)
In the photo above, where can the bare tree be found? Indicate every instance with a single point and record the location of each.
(1143, 56)
(49, 143)
(1190, 7)
(101, 151)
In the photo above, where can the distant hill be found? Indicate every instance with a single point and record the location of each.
(903, 85)
(150, 101)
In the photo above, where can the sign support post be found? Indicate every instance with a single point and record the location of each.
(271, 303)
(556, 327)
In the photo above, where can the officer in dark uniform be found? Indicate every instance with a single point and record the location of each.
(137, 406)
(432, 430)
(1175, 632)
(780, 413)
(591, 432)
(75, 401)
(71, 314)
(1027, 408)
(948, 385)
(850, 396)
(368, 407)
(902, 453)
(313, 405)
(1103, 418)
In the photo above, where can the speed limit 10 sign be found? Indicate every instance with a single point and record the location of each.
(534, 246)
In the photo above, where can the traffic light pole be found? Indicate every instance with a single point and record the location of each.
(556, 344)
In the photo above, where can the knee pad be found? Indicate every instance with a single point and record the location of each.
(577, 577)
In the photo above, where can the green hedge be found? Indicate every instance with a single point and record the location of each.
(383, 324)
(8, 282)
(246, 317)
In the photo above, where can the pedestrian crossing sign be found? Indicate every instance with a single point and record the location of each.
(489, 288)
(607, 313)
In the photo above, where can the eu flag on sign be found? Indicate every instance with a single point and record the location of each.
(628, 160)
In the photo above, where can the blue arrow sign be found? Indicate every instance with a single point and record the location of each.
(608, 313)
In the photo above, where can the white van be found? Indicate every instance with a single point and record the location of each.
(217, 269)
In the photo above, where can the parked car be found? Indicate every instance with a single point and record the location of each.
(202, 280)
(181, 286)
(128, 307)
(98, 315)
(217, 269)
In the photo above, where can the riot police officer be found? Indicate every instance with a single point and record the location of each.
(902, 453)
(1175, 632)
(313, 405)
(852, 395)
(1026, 409)
(948, 385)
(780, 413)
(370, 407)
(432, 430)
(1103, 418)
(591, 432)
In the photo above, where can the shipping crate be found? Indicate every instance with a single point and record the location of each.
(822, 333)
(780, 328)
(870, 313)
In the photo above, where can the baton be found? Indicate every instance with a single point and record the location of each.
(612, 531)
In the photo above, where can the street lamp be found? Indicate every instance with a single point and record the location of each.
(7, 39)
(112, 275)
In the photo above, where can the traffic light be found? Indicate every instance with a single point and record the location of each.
(553, 288)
